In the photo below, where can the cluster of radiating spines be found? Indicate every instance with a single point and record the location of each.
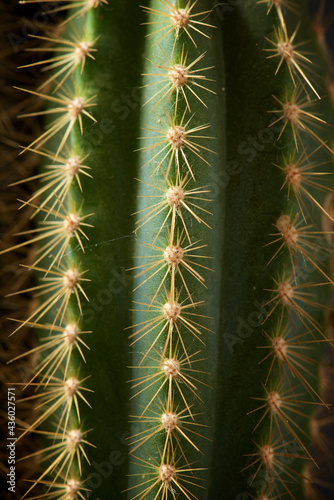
(291, 392)
(60, 237)
(172, 259)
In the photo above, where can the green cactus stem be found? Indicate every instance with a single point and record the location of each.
(180, 346)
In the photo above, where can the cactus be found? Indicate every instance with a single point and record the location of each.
(180, 349)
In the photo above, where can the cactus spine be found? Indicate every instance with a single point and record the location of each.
(229, 283)
(173, 333)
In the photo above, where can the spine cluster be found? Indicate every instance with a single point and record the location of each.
(173, 262)
(179, 255)
(296, 334)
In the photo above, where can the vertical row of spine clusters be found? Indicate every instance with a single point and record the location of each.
(60, 238)
(173, 263)
(295, 342)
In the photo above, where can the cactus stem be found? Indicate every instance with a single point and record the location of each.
(71, 107)
(73, 54)
(268, 458)
(175, 139)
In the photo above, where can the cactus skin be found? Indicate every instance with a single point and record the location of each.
(229, 363)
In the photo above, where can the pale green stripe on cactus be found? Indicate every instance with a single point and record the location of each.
(178, 252)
